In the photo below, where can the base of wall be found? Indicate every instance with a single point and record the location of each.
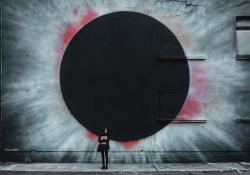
(127, 157)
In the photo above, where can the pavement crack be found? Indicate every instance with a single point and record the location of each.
(236, 169)
(156, 166)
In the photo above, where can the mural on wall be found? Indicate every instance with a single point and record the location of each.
(112, 77)
(71, 68)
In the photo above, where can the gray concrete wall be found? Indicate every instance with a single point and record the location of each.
(35, 118)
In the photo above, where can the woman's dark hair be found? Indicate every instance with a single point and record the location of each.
(103, 131)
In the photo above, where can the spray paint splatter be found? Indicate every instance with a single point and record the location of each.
(193, 105)
(91, 135)
(127, 145)
(75, 12)
(67, 32)
(191, 108)
(65, 35)
(142, 9)
(130, 144)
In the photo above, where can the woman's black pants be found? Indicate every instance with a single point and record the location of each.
(106, 155)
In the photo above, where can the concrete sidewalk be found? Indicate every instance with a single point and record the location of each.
(125, 168)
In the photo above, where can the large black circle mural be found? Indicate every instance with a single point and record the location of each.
(113, 75)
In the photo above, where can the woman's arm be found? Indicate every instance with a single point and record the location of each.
(99, 139)
(107, 140)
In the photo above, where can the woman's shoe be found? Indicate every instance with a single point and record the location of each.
(106, 167)
(103, 167)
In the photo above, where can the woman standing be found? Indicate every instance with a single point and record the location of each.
(104, 146)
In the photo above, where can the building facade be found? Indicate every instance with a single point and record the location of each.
(169, 79)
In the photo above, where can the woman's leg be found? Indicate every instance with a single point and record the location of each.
(102, 158)
(106, 155)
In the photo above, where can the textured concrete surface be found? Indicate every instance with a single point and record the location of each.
(37, 123)
(128, 168)
(128, 157)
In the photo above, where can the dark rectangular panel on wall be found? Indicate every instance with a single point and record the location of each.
(242, 37)
(168, 101)
(242, 111)
(243, 23)
(164, 104)
(181, 58)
